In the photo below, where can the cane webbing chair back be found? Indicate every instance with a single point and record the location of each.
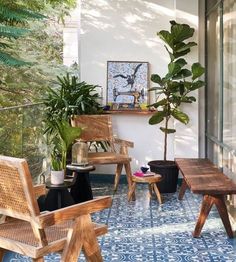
(17, 197)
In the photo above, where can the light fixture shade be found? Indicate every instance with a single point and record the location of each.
(80, 153)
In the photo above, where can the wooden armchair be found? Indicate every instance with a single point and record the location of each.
(99, 128)
(24, 230)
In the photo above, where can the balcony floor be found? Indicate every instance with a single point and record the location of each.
(145, 231)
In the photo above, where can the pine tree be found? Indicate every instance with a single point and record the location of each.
(13, 24)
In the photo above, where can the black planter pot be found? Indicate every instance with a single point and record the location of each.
(169, 171)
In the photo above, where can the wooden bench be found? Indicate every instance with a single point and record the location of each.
(202, 177)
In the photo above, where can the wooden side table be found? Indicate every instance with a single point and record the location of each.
(151, 181)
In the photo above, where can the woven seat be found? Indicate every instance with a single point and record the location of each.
(26, 235)
(99, 128)
(27, 231)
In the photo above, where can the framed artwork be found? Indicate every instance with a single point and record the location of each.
(127, 85)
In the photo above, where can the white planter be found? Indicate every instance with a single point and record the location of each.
(57, 177)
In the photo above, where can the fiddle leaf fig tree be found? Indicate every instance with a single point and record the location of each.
(180, 80)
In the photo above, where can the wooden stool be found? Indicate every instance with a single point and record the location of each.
(151, 180)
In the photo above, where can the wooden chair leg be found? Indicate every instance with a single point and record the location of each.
(129, 177)
(207, 203)
(2, 253)
(82, 235)
(158, 194)
(131, 191)
(222, 209)
(39, 259)
(150, 188)
(91, 247)
(117, 176)
(182, 190)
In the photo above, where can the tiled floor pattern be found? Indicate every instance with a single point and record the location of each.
(143, 230)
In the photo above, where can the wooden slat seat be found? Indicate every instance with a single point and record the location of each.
(202, 177)
(25, 230)
(107, 158)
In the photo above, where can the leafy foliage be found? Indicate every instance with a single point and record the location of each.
(42, 49)
(173, 89)
(71, 97)
(61, 139)
(13, 19)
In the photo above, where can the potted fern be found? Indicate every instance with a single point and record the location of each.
(172, 90)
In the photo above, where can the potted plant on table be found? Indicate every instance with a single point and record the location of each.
(174, 89)
(61, 137)
(68, 97)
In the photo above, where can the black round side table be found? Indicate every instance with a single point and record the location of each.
(81, 189)
(58, 196)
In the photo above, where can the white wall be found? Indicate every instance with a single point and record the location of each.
(126, 31)
(71, 33)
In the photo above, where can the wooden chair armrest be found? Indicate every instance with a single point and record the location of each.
(72, 212)
(39, 190)
(123, 142)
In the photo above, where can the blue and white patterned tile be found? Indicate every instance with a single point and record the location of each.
(144, 231)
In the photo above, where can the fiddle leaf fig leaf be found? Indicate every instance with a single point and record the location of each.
(181, 62)
(156, 79)
(181, 116)
(173, 86)
(179, 54)
(173, 69)
(196, 85)
(182, 74)
(181, 32)
(167, 130)
(166, 37)
(159, 103)
(188, 99)
(157, 118)
(185, 47)
(197, 70)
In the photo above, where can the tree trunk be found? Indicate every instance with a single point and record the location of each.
(165, 138)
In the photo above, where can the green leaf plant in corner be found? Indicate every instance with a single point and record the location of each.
(180, 80)
(61, 138)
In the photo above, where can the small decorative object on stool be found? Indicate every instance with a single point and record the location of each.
(144, 169)
(80, 153)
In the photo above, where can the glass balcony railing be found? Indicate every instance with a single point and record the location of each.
(21, 135)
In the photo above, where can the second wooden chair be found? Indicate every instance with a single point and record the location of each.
(99, 128)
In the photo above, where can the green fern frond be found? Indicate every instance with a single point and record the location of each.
(4, 45)
(9, 60)
(17, 14)
(13, 17)
(11, 31)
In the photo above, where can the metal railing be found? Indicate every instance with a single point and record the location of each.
(21, 135)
